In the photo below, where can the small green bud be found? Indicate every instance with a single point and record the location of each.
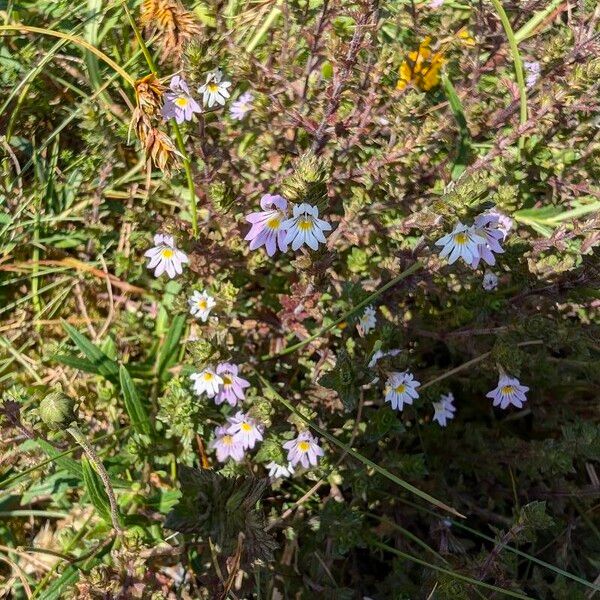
(57, 410)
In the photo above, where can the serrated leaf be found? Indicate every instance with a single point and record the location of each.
(135, 409)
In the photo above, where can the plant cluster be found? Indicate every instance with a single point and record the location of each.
(299, 298)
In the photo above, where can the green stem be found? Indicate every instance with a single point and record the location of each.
(357, 455)
(412, 269)
(178, 137)
(518, 63)
(527, 29)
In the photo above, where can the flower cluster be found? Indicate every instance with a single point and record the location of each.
(480, 241)
(273, 228)
(239, 434)
(221, 383)
(180, 105)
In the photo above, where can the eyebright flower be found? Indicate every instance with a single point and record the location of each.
(267, 225)
(367, 322)
(242, 106)
(179, 104)
(532, 72)
(245, 430)
(435, 3)
(305, 227)
(304, 450)
(463, 242)
(232, 388)
(504, 223)
(401, 389)
(486, 226)
(206, 382)
(509, 391)
(214, 91)
(277, 471)
(226, 446)
(444, 409)
(201, 304)
(490, 281)
(165, 256)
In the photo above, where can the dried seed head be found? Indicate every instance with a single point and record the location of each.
(161, 149)
(149, 95)
(171, 22)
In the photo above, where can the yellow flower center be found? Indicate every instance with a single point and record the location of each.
(461, 238)
(227, 440)
(167, 253)
(305, 224)
(508, 389)
(274, 223)
(202, 304)
(246, 426)
(303, 446)
(213, 87)
(182, 101)
(208, 376)
(400, 389)
(227, 380)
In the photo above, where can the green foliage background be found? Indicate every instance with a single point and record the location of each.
(96, 352)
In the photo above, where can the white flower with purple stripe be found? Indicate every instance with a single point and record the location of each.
(206, 382)
(267, 225)
(487, 226)
(245, 429)
(367, 322)
(463, 242)
(401, 389)
(444, 409)
(232, 388)
(304, 450)
(201, 304)
(277, 471)
(179, 104)
(508, 391)
(305, 227)
(226, 446)
(215, 90)
(165, 257)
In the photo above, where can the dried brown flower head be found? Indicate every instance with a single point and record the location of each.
(158, 145)
(171, 22)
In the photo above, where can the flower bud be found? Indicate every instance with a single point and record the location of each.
(57, 410)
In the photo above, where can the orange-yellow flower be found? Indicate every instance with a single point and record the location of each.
(421, 68)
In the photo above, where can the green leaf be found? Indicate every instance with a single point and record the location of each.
(103, 363)
(64, 462)
(75, 362)
(135, 409)
(95, 490)
(168, 352)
